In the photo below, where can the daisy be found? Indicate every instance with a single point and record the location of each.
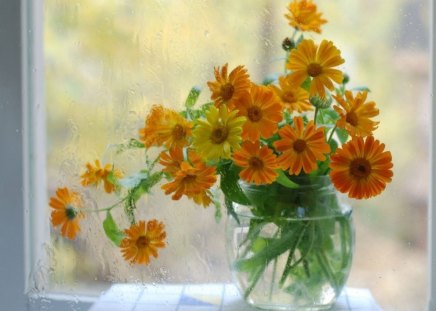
(293, 97)
(96, 174)
(355, 114)
(219, 134)
(361, 168)
(165, 127)
(190, 180)
(258, 163)
(228, 89)
(310, 61)
(303, 16)
(301, 147)
(66, 213)
(142, 241)
(262, 110)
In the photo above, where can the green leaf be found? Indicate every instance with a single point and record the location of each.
(306, 84)
(132, 144)
(342, 135)
(270, 79)
(111, 229)
(230, 209)
(229, 184)
(283, 180)
(333, 145)
(361, 89)
(192, 97)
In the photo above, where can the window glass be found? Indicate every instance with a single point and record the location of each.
(108, 62)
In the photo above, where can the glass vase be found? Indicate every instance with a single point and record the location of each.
(290, 249)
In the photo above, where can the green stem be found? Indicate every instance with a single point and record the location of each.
(104, 209)
(331, 134)
(274, 270)
(316, 114)
(288, 265)
(254, 282)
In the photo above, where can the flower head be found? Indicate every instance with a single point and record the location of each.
(142, 241)
(191, 180)
(355, 114)
(361, 167)
(66, 213)
(165, 127)
(228, 89)
(219, 134)
(309, 60)
(303, 15)
(293, 97)
(95, 174)
(258, 163)
(301, 147)
(262, 110)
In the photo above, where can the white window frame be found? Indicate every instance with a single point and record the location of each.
(21, 106)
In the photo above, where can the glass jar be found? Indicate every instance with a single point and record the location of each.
(292, 248)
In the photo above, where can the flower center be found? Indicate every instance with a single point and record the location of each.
(71, 212)
(299, 145)
(314, 69)
(227, 91)
(255, 163)
(360, 168)
(254, 114)
(288, 97)
(219, 134)
(142, 242)
(189, 179)
(352, 118)
(178, 132)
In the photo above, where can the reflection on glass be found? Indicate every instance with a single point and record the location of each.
(107, 62)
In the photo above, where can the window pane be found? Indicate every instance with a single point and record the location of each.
(108, 62)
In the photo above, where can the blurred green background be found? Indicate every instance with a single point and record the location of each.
(107, 62)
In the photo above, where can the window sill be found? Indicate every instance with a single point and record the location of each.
(203, 297)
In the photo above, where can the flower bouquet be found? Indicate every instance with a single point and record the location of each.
(278, 151)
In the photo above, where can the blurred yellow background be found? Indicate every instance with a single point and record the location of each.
(107, 62)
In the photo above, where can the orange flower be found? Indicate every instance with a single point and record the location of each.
(309, 60)
(227, 90)
(94, 175)
(141, 241)
(293, 97)
(174, 158)
(66, 212)
(361, 167)
(191, 180)
(303, 15)
(263, 111)
(259, 163)
(301, 147)
(202, 198)
(165, 127)
(356, 114)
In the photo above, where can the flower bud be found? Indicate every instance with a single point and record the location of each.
(346, 79)
(288, 44)
(321, 103)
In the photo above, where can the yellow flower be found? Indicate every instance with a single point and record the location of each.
(293, 97)
(301, 147)
(309, 60)
(303, 15)
(361, 167)
(228, 89)
(143, 241)
(165, 127)
(94, 175)
(219, 134)
(258, 163)
(356, 113)
(66, 212)
(262, 110)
